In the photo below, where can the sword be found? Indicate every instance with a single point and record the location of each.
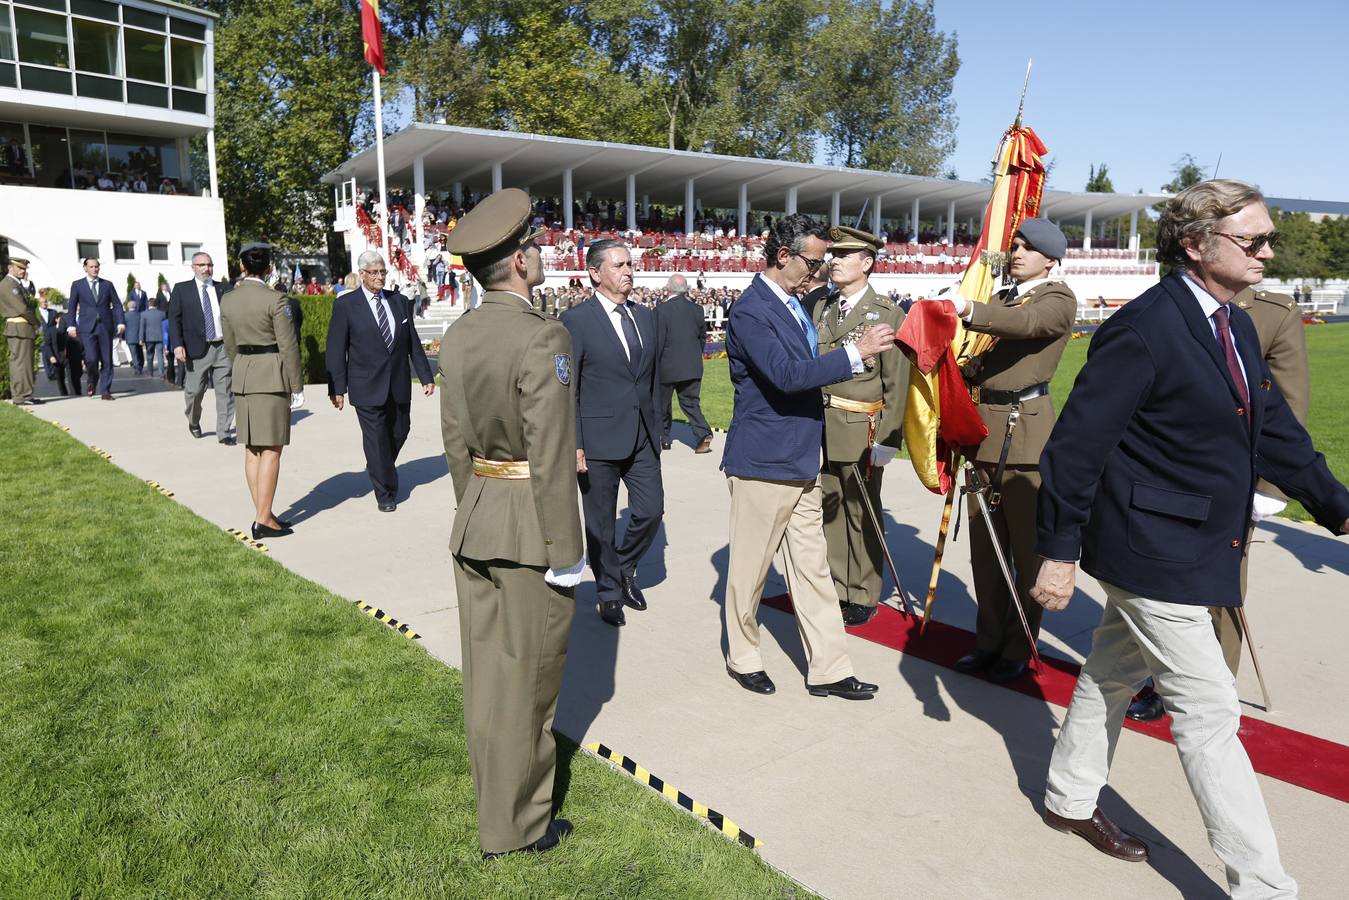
(1255, 660)
(880, 533)
(978, 492)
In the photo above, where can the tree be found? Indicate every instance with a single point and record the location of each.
(1098, 181)
(1301, 253)
(1187, 173)
(1335, 238)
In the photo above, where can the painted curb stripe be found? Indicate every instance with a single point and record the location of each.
(243, 537)
(678, 797)
(380, 615)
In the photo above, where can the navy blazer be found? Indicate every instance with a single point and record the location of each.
(613, 406)
(358, 361)
(88, 311)
(187, 326)
(682, 334)
(1151, 468)
(777, 428)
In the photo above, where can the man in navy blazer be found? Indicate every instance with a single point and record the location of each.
(96, 318)
(772, 461)
(1149, 477)
(615, 359)
(372, 351)
(198, 342)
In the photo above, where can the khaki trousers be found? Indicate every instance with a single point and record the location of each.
(764, 515)
(513, 629)
(998, 627)
(1175, 644)
(20, 368)
(855, 551)
(215, 365)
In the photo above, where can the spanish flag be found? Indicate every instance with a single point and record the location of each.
(372, 36)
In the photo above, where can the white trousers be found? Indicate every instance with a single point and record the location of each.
(1175, 644)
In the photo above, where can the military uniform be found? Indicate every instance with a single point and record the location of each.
(20, 332)
(864, 410)
(1032, 329)
(265, 358)
(508, 421)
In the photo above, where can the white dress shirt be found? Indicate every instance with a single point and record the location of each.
(215, 305)
(854, 356)
(616, 320)
(371, 300)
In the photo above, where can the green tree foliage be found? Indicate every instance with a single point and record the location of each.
(1098, 181)
(1302, 251)
(1186, 173)
(1335, 237)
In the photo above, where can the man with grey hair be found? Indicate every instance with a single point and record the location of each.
(1149, 477)
(199, 346)
(681, 329)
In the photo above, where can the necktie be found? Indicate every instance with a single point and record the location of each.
(384, 330)
(1011, 295)
(806, 325)
(630, 335)
(207, 319)
(1220, 317)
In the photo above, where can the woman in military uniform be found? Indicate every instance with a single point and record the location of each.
(265, 355)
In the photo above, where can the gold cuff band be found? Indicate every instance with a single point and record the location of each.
(512, 470)
(870, 407)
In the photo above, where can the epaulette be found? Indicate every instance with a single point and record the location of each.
(1282, 300)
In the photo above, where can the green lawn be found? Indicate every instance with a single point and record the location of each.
(183, 717)
(1327, 347)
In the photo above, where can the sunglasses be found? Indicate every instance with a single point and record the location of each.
(1252, 244)
(812, 264)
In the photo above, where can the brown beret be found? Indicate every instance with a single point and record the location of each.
(496, 226)
(846, 238)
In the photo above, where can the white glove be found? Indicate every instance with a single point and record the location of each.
(568, 577)
(297, 400)
(881, 454)
(1263, 506)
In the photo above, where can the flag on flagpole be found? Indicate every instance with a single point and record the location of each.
(372, 36)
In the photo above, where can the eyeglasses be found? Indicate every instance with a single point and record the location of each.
(812, 265)
(374, 271)
(1252, 244)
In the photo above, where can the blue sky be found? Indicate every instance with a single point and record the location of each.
(1137, 85)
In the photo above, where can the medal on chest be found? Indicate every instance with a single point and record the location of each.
(852, 336)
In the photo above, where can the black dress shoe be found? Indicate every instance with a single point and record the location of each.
(611, 611)
(856, 614)
(31, 401)
(194, 430)
(1007, 670)
(757, 682)
(229, 440)
(557, 830)
(284, 524)
(266, 531)
(387, 506)
(632, 594)
(1102, 834)
(978, 661)
(109, 396)
(1146, 707)
(849, 689)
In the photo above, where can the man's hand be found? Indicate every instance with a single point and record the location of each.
(121, 329)
(338, 400)
(1054, 585)
(1344, 529)
(876, 340)
(581, 461)
(428, 389)
(53, 359)
(178, 353)
(71, 331)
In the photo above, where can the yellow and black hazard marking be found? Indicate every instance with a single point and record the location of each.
(59, 425)
(718, 821)
(100, 452)
(244, 537)
(380, 615)
(159, 487)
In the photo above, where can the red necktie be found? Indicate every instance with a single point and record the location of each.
(1230, 353)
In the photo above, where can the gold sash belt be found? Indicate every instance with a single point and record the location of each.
(870, 407)
(511, 470)
(15, 320)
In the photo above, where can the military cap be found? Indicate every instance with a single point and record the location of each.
(846, 238)
(1044, 236)
(494, 228)
(256, 245)
(18, 261)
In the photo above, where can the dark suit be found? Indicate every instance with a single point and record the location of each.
(617, 427)
(377, 379)
(140, 299)
(681, 330)
(186, 323)
(54, 345)
(207, 361)
(96, 318)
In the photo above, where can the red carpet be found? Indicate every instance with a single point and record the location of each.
(1294, 757)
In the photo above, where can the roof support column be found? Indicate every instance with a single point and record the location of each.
(742, 211)
(1086, 233)
(876, 214)
(951, 222)
(834, 203)
(630, 207)
(496, 177)
(646, 205)
(418, 211)
(567, 202)
(210, 161)
(913, 220)
(457, 191)
(791, 201)
(1133, 230)
(688, 206)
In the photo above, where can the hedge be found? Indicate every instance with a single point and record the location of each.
(318, 312)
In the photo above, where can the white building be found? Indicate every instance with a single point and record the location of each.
(107, 142)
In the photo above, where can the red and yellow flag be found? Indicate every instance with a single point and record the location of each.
(372, 35)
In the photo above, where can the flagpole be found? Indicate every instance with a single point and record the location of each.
(383, 195)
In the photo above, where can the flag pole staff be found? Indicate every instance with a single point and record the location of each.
(385, 243)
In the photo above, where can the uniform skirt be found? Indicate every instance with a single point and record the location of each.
(262, 420)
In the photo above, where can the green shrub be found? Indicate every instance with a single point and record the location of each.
(318, 312)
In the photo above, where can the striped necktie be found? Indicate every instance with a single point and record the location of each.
(385, 331)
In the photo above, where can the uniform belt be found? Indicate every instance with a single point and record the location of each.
(257, 349)
(870, 407)
(1002, 398)
(509, 469)
(14, 320)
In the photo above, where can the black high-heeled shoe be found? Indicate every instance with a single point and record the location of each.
(266, 531)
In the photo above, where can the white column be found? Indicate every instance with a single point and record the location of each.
(496, 177)
(1086, 233)
(567, 200)
(210, 162)
(688, 206)
(1133, 231)
(742, 211)
(913, 220)
(646, 204)
(834, 203)
(791, 201)
(876, 214)
(951, 222)
(457, 191)
(418, 210)
(631, 205)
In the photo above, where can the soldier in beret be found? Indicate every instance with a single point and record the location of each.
(508, 419)
(20, 331)
(863, 423)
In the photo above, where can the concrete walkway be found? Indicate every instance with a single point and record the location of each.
(932, 790)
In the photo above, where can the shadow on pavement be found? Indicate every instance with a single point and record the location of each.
(333, 492)
(1316, 552)
(588, 679)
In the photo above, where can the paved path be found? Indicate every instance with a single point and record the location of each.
(930, 791)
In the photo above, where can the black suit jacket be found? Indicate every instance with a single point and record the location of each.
(53, 337)
(187, 326)
(1152, 465)
(613, 406)
(360, 364)
(682, 330)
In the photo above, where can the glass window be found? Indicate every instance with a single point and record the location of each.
(187, 29)
(42, 38)
(58, 5)
(51, 80)
(87, 249)
(159, 252)
(189, 101)
(142, 19)
(190, 250)
(189, 65)
(147, 94)
(8, 75)
(144, 55)
(6, 34)
(100, 88)
(138, 156)
(123, 251)
(96, 47)
(97, 9)
(50, 155)
(13, 156)
(89, 159)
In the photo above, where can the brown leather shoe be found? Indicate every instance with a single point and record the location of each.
(1102, 834)
(704, 446)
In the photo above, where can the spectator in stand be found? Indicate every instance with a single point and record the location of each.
(139, 186)
(313, 288)
(151, 334)
(105, 183)
(166, 186)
